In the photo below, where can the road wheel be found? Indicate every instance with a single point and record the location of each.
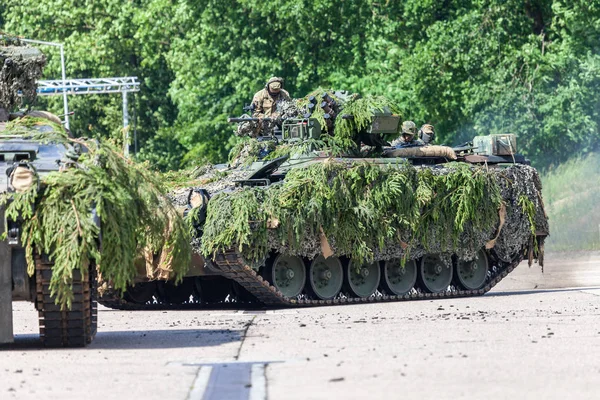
(325, 277)
(471, 275)
(287, 274)
(396, 279)
(361, 280)
(434, 275)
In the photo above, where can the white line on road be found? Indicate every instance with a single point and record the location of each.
(200, 384)
(258, 390)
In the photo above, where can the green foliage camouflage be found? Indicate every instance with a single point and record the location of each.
(130, 203)
(191, 177)
(529, 210)
(359, 207)
(472, 67)
(248, 150)
(362, 110)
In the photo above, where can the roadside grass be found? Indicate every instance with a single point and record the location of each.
(572, 198)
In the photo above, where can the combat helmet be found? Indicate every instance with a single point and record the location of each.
(427, 133)
(409, 129)
(274, 84)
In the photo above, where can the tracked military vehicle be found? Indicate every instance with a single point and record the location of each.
(312, 225)
(23, 162)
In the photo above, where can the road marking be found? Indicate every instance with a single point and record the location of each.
(230, 380)
(200, 383)
(258, 390)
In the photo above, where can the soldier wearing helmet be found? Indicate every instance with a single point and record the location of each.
(408, 136)
(266, 100)
(427, 133)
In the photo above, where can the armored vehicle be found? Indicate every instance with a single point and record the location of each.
(314, 211)
(23, 161)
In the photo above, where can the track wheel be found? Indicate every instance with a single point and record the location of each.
(325, 277)
(177, 294)
(75, 327)
(140, 293)
(361, 280)
(396, 279)
(212, 289)
(471, 275)
(287, 274)
(434, 275)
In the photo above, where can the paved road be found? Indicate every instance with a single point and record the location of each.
(534, 336)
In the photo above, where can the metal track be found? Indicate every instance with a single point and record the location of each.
(66, 328)
(232, 266)
(111, 299)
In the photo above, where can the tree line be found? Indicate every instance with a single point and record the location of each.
(470, 67)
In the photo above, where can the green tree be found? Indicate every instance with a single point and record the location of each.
(470, 67)
(102, 39)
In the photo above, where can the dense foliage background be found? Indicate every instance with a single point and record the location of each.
(470, 67)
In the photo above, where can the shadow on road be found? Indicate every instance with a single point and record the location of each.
(538, 291)
(155, 339)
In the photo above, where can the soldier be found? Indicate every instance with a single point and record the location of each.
(265, 101)
(407, 137)
(427, 134)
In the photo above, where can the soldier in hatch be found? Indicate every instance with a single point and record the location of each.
(265, 101)
(408, 136)
(427, 134)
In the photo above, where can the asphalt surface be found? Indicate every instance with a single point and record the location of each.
(533, 336)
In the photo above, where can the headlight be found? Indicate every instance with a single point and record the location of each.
(22, 178)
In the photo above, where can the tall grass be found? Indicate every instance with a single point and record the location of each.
(572, 197)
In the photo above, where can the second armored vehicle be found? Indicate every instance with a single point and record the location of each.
(23, 161)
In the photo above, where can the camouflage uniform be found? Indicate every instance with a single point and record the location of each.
(403, 143)
(266, 100)
(427, 133)
(408, 136)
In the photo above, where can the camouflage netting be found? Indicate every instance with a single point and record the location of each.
(207, 177)
(369, 212)
(521, 189)
(20, 67)
(290, 109)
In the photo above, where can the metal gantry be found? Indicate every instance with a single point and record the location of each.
(66, 87)
(88, 86)
(62, 68)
